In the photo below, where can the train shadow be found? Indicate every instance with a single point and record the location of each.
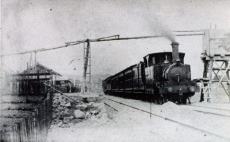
(142, 97)
(149, 98)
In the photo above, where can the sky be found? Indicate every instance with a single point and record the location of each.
(34, 24)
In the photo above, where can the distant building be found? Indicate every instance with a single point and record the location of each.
(33, 80)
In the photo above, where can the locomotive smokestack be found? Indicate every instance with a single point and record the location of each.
(175, 51)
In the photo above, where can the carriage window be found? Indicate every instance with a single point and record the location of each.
(151, 61)
(145, 62)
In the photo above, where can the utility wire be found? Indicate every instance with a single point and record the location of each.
(110, 38)
(189, 31)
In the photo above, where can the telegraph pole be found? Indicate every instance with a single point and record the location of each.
(89, 67)
(86, 84)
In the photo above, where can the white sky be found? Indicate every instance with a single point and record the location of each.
(31, 24)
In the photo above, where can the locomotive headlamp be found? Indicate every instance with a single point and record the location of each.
(170, 89)
(192, 89)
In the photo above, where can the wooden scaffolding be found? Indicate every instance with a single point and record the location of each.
(216, 65)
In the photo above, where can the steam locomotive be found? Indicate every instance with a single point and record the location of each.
(160, 76)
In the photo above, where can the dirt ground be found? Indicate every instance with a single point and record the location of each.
(126, 124)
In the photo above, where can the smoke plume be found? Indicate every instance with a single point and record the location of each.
(161, 29)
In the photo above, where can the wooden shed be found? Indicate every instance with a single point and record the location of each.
(32, 80)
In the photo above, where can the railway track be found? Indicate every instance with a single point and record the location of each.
(212, 113)
(111, 106)
(203, 109)
(207, 107)
(170, 120)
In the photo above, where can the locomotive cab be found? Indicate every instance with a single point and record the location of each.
(155, 64)
(160, 58)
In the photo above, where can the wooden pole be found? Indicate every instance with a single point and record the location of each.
(83, 73)
(86, 85)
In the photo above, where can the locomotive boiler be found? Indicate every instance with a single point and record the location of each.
(161, 76)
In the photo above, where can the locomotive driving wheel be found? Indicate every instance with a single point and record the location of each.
(183, 100)
(160, 100)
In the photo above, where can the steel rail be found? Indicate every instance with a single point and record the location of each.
(110, 106)
(212, 113)
(210, 107)
(174, 121)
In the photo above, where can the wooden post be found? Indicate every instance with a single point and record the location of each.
(87, 62)
(83, 75)
(210, 69)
